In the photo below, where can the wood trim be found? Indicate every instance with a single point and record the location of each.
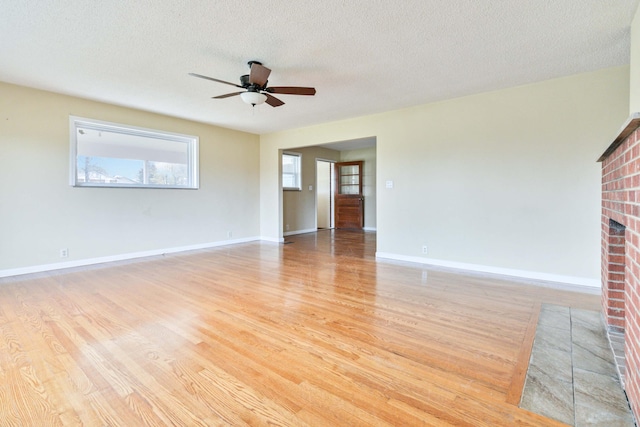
(632, 123)
(514, 393)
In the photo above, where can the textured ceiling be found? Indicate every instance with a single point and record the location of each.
(363, 57)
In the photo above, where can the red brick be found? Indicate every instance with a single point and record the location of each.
(614, 277)
(615, 295)
(615, 321)
(621, 264)
(615, 238)
(616, 286)
(616, 250)
(617, 268)
(617, 259)
(617, 304)
(616, 312)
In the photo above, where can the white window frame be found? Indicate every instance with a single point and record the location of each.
(298, 174)
(79, 123)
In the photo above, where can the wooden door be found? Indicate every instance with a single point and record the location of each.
(348, 197)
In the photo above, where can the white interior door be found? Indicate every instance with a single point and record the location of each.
(324, 194)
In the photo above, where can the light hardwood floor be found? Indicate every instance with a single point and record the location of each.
(315, 332)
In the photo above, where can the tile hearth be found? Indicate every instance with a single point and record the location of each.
(572, 375)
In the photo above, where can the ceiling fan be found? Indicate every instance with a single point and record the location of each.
(255, 85)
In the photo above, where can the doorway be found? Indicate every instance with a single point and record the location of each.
(349, 198)
(325, 206)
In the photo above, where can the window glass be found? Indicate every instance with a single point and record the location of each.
(291, 171)
(113, 155)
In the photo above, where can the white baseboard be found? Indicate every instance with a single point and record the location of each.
(291, 233)
(575, 282)
(579, 283)
(369, 229)
(119, 257)
(272, 239)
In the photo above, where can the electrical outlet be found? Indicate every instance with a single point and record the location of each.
(64, 253)
(424, 249)
(287, 227)
(229, 234)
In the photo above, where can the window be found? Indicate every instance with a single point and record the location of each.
(112, 155)
(291, 171)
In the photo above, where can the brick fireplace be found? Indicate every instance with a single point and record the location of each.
(621, 248)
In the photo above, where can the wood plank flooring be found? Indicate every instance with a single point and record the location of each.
(315, 332)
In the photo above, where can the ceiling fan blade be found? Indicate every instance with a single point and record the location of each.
(215, 80)
(292, 90)
(273, 101)
(228, 95)
(259, 74)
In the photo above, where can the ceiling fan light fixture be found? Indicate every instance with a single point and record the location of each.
(253, 98)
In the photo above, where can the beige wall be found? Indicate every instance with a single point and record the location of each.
(490, 180)
(634, 98)
(299, 207)
(368, 155)
(41, 214)
(505, 179)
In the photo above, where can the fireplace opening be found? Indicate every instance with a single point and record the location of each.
(613, 294)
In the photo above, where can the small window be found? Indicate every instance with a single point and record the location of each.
(112, 155)
(291, 171)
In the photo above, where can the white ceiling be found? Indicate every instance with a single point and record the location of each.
(363, 57)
